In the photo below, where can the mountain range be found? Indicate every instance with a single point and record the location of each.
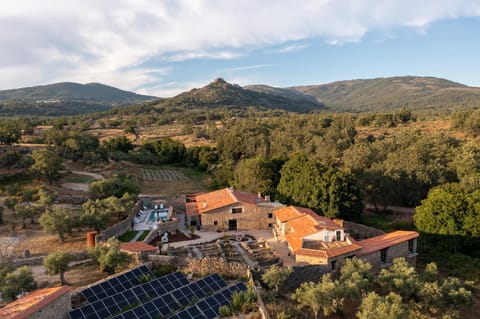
(385, 94)
(370, 95)
(66, 98)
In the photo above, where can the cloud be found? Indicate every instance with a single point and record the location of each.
(183, 56)
(111, 41)
(289, 48)
(247, 67)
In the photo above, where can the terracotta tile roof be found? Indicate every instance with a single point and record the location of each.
(331, 250)
(205, 202)
(312, 253)
(31, 303)
(334, 252)
(287, 213)
(292, 212)
(377, 243)
(137, 247)
(294, 241)
(304, 222)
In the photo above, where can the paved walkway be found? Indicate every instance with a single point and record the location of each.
(205, 237)
(244, 255)
(137, 236)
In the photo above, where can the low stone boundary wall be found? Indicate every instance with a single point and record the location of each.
(120, 228)
(158, 260)
(359, 231)
(261, 305)
(78, 255)
(115, 231)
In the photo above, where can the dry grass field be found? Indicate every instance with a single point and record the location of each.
(171, 181)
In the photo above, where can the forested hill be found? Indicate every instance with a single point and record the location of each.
(388, 94)
(65, 99)
(220, 93)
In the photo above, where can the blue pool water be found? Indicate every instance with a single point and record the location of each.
(162, 212)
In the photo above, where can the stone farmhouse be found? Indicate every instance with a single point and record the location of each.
(311, 238)
(230, 209)
(314, 239)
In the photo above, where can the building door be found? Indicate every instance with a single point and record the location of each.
(232, 224)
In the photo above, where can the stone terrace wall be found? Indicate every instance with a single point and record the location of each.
(304, 274)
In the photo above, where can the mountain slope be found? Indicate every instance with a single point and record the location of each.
(65, 99)
(288, 93)
(74, 91)
(388, 94)
(220, 93)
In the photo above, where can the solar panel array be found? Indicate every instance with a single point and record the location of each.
(208, 307)
(159, 298)
(133, 296)
(174, 300)
(117, 284)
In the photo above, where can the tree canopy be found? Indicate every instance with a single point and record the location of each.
(17, 282)
(109, 257)
(57, 263)
(47, 162)
(57, 221)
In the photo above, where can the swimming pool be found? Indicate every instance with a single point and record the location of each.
(162, 214)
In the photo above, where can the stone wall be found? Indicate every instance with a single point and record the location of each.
(163, 227)
(208, 265)
(252, 217)
(159, 260)
(120, 228)
(57, 309)
(302, 274)
(396, 251)
(359, 231)
(79, 255)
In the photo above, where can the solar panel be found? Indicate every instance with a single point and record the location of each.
(182, 294)
(208, 307)
(113, 303)
(116, 284)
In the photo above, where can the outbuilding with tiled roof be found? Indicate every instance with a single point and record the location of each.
(52, 303)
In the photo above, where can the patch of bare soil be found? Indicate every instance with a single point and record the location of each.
(76, 277)
(76, 186)
(178, 237)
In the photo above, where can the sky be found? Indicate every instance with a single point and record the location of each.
(164, 47)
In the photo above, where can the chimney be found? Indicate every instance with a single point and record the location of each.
(204, 204)
(267, 198)
(259, 195)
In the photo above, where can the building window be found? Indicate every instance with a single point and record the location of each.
(215, 222)
(237, 210)
(333, 263)
(270, 215)
(383, 255)
(326, 238)
(411, 246)
(270, 225)
(338, 235)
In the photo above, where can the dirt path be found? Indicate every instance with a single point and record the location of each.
(94, 175)
(398, 209)
(82, 186)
